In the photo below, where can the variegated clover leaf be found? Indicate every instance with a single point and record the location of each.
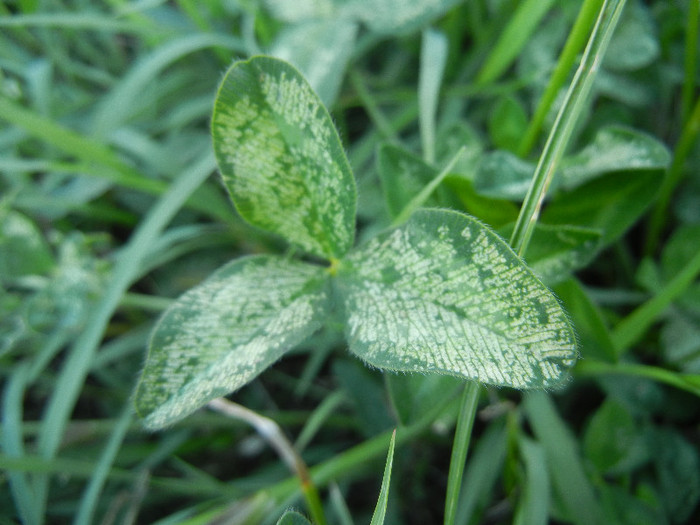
(440, 293)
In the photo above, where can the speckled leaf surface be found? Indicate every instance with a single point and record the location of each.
(443, 293)
(224, 332)
(614, 149)
(281, 158)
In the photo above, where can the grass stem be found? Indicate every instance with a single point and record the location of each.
(567, 118)
(465, 422)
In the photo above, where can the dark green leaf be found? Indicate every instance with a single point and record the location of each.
(613, 442)
(612, 203)
(635, 43)
(281, 158)
(503, 175)
(507, 124)
(556, 251)
(444, 294)
(402, 175)
(678, 470)
(593, 335)
(23, 250)
(223, 333)
(613, 149)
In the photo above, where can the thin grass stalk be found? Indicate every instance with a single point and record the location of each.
(574, 43)
(632, 327)
(576, 98)
(691, 59)
(463, 432)
(672, 178)
(80, 357)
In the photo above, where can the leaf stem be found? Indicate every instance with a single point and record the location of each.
(465, 422)
(272, 433)
(574, 102)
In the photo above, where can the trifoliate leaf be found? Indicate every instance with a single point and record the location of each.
(223, 333)
(281, 158)
(443, 293)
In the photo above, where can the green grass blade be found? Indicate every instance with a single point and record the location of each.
(688, 382)
(465, 422)
(63, 138)
(315, 421)
(75, 21)
(380, 509)
(533, 507)
(86, 511)
(574, 44)
(574, 102)
(691, 59)
(483, 471)
(673, 177)
(513, 38)
(30, 510)
(563, 460)
(115, 109)
(420, 199)
(81, 353)
(633, 327)
(432, 67)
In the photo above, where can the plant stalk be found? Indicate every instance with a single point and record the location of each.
(272, 433)
(576, 98)
(463, 432)
(673, 178)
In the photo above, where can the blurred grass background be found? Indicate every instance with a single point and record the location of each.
(111, 207)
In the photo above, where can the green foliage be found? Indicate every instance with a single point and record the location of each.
(281, 159)
(111, 208)
(440, 293)
(380, 510)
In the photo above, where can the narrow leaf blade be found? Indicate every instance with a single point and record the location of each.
(380, 509)
(444, 294)
(281, 158)
(223, 333)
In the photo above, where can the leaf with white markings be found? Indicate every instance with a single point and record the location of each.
(281, 158)
(443, 293)
(223, 333)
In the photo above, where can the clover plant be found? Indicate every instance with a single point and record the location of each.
(439, 293)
